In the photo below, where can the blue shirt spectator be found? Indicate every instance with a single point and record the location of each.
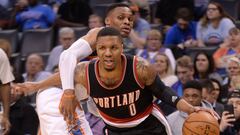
(183, 32)
(176, 35)
(36, 16)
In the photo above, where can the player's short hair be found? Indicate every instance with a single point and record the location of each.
(109, 31)
(115, 5)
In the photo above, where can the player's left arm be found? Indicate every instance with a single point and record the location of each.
(149, 77)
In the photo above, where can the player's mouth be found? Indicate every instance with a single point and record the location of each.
(126, 29)
(109, 63)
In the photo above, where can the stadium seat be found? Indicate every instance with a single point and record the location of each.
(12, 37)
(36, 41)
(194, 50)
(80, 31)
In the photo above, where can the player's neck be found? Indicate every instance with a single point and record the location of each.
(115, 73)
(112, 77)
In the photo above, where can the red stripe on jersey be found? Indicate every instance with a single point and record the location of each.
(87, 79)
(123, 120)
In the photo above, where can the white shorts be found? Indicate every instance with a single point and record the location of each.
(51, 120)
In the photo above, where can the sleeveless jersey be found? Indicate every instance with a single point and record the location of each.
(125, 102)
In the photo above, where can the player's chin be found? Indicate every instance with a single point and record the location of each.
(109, 68)
(125, 34)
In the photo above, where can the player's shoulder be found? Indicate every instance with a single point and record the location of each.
(81, 66)
(144, 70)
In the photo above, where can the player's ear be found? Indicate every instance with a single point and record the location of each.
(107, 21)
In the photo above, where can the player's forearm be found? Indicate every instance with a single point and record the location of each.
(182, 105)
(53, 80)
(68, 61)
(5, 96)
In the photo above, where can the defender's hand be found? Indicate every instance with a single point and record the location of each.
(68, 105)
(27, 88)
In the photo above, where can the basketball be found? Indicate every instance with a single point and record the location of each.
(201, 123)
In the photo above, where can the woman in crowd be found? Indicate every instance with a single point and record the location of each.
(204, 67)
(154, 46)
(213, 27)
(165, 71)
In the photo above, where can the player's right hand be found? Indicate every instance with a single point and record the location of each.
(68, 105)
(27, 88)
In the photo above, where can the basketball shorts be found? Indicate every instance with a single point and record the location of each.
(51, 120)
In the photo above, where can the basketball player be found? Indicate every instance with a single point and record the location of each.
(118, 16)
(122, 88)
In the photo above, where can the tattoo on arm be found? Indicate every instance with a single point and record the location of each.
(80, 73)
(145, 71)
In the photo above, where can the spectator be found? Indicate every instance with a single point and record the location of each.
(230, 48)
(192, 93)
(213, 27)
(74, 13)
(6, 77)
(34, 16)
(184, 71)
(204, 67)
(154, 46)
(164, 68)
(66, 38)
(95, 21)
(230, 123)
(210, 94)
(23, 117)
(34, 72)
(183, 33)
(233, 70)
